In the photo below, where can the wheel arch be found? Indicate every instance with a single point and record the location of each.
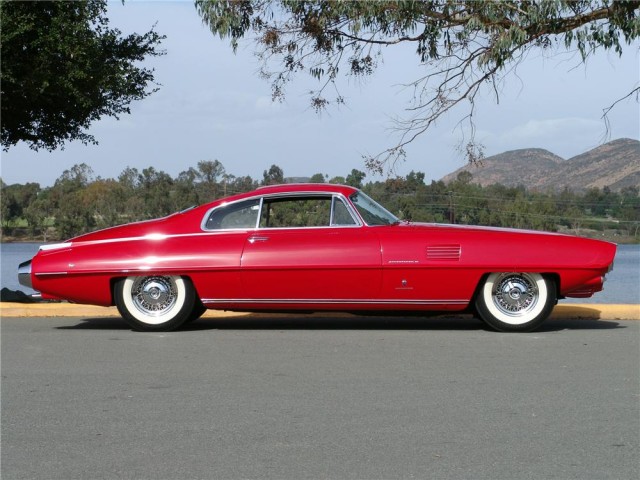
(547, 275)
(556, 282)
(113, 281)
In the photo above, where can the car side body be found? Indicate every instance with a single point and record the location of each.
(315, 247)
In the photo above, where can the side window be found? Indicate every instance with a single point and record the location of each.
(295, 212)
(340, 214)
(237, 215)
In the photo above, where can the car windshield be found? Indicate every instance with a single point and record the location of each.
(371, 212)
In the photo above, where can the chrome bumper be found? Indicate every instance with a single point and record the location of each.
(24, 274)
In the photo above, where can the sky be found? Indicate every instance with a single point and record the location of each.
(212, 105)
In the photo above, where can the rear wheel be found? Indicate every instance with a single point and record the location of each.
(516, 302)
(197, 312)
(155, 303)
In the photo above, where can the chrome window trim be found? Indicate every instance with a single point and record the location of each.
(367, 197)
(339, 198)
(205, 218)
(358, 223)
(332, 210)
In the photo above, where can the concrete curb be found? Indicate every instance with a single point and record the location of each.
(565, 311)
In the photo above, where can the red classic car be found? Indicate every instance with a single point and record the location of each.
(315, 247)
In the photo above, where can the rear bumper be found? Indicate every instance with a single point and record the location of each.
(588, 288)
(24, 274)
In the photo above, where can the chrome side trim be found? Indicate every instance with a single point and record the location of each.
(54, 246)
(326, 301)
(444, 252)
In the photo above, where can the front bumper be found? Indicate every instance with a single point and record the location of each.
(24, 274)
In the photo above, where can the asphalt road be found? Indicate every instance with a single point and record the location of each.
(296, 397)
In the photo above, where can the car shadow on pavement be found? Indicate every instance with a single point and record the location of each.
(97, 323)
(258, 321)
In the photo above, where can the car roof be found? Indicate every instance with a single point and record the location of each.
(286, 188)
(304, 188)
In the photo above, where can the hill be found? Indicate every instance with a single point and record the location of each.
(615, 164)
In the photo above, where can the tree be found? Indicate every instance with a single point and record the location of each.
(242, 184)
(273, 176)
(76, 178)
(104, 200)
(6, 213)
(155, 188)
(63, 67)
(208, 173)
(355, 178)
(464, 177)
(464, 45)
(14, 200)
(185, 186)
(132, 203)
(317, 178)
(415, 179)
(68, 208)
(37, 214)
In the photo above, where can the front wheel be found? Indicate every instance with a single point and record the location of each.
(516, 302)
(155, 303)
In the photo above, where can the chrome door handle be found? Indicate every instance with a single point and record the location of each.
(255, 239)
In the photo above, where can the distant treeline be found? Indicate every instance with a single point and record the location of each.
(79, 202)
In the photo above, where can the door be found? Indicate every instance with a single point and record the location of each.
(310, 249)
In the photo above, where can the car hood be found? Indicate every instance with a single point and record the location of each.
(420, 225)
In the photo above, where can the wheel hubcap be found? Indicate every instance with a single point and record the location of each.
(515, 295)
(154, 295)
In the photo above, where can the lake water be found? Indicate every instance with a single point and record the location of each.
(622, 285)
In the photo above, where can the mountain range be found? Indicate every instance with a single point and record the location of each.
(615, 164)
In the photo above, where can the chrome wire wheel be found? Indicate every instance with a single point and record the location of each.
(155, 302)
(154, 296)
(515, 295)
(515, 301)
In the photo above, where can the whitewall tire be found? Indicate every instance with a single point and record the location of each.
(155, 303)
(516, 302)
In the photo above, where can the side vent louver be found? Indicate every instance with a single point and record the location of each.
(443, 252)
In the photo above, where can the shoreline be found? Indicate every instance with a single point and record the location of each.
(584, 311)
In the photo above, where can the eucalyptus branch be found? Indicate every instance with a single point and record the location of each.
(464, 45)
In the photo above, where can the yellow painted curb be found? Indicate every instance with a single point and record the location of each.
(9, 309)
(564, 311)
(597, 311)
